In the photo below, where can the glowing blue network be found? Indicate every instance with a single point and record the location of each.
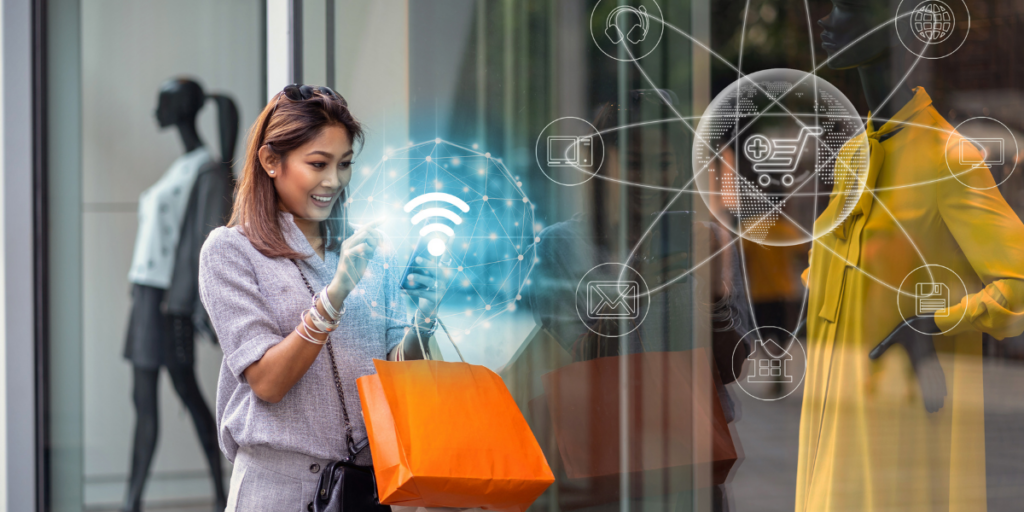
(472, 211)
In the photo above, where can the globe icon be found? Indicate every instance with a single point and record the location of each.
(772, 148)
(932, 21)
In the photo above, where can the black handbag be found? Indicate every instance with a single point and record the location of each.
(346, 485)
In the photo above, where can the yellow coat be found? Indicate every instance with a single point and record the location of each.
(866, 441)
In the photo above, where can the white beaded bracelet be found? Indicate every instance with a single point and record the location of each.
(320, 322)
(305, 327)
(328, 307)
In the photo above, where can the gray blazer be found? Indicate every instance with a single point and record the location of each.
(255, 301)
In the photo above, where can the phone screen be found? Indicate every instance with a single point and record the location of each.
(429, 261)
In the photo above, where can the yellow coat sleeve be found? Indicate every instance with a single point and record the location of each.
(991, 235)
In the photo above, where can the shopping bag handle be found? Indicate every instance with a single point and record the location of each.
(447, 334)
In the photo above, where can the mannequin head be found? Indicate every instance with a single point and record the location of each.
(180, 101)
(848, 21)
(299, 151)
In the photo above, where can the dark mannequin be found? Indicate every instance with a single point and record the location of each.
(880, 74)
(209, 202)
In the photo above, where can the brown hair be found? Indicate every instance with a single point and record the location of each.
(283, 126)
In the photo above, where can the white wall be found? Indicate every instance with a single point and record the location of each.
(128, 49)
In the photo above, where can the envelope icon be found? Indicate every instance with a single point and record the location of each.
(613, 299)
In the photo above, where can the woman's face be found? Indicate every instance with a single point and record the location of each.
(848, 21)
(310, 178)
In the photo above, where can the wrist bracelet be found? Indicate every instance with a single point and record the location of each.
(320, 322)
(306, 336)
(328, 307)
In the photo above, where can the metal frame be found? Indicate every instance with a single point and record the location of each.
(40, 241)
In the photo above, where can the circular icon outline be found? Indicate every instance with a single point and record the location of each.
(956, 130)
(738, 379)
(899, 34)
(857, 143)
(645, 296)
(543, 168)
(757, 137)
(899, 292)
(661, 33)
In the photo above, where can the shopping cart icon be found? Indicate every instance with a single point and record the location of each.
(777, 156)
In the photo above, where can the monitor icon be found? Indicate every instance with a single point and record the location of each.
(932, 299)
(991, 152)
(570, 151)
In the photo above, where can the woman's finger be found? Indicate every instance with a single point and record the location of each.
(424, 267)
(363, 252)
(416, 279)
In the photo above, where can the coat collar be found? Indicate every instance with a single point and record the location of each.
(297, 241)
(919, 102)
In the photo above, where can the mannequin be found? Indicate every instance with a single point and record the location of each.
(175, 216)
(880, 77)
(887, 427)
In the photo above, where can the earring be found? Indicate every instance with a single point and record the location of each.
(271, 171)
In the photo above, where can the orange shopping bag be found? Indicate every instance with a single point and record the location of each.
(449, 435)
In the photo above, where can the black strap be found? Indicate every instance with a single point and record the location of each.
(349, 442)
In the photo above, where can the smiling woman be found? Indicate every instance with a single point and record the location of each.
(277, 417)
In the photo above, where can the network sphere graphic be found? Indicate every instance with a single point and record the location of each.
(770, 150)
(932, 21)
(492, 251)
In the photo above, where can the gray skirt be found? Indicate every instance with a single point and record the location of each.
(267, 480)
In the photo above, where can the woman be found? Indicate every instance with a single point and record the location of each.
(902, 429)
(279, 414)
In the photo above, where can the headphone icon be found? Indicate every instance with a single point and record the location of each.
(637, 32)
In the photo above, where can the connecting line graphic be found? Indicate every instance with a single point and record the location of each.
(814, 205)
(796, 118)
(630, 183)
(736, 151)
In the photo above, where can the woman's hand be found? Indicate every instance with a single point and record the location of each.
(921, 352)
(431, 285)
(356, 253)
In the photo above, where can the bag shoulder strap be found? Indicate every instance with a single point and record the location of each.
(349, 442)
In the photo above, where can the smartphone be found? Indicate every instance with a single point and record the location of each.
(411, 267)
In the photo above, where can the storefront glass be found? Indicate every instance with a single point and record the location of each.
(630, 256)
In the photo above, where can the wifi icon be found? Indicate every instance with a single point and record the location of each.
(437, 246)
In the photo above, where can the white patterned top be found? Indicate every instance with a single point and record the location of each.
(161, 212)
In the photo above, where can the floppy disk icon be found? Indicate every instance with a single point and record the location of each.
(613, 299)
(932, 298)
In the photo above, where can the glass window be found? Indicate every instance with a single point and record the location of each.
(724, 255)
(142, 97)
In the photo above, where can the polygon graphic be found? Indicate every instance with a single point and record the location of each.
(464, 204)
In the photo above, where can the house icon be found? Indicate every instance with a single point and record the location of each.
(769, 363)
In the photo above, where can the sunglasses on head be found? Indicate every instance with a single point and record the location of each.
(301, 92)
